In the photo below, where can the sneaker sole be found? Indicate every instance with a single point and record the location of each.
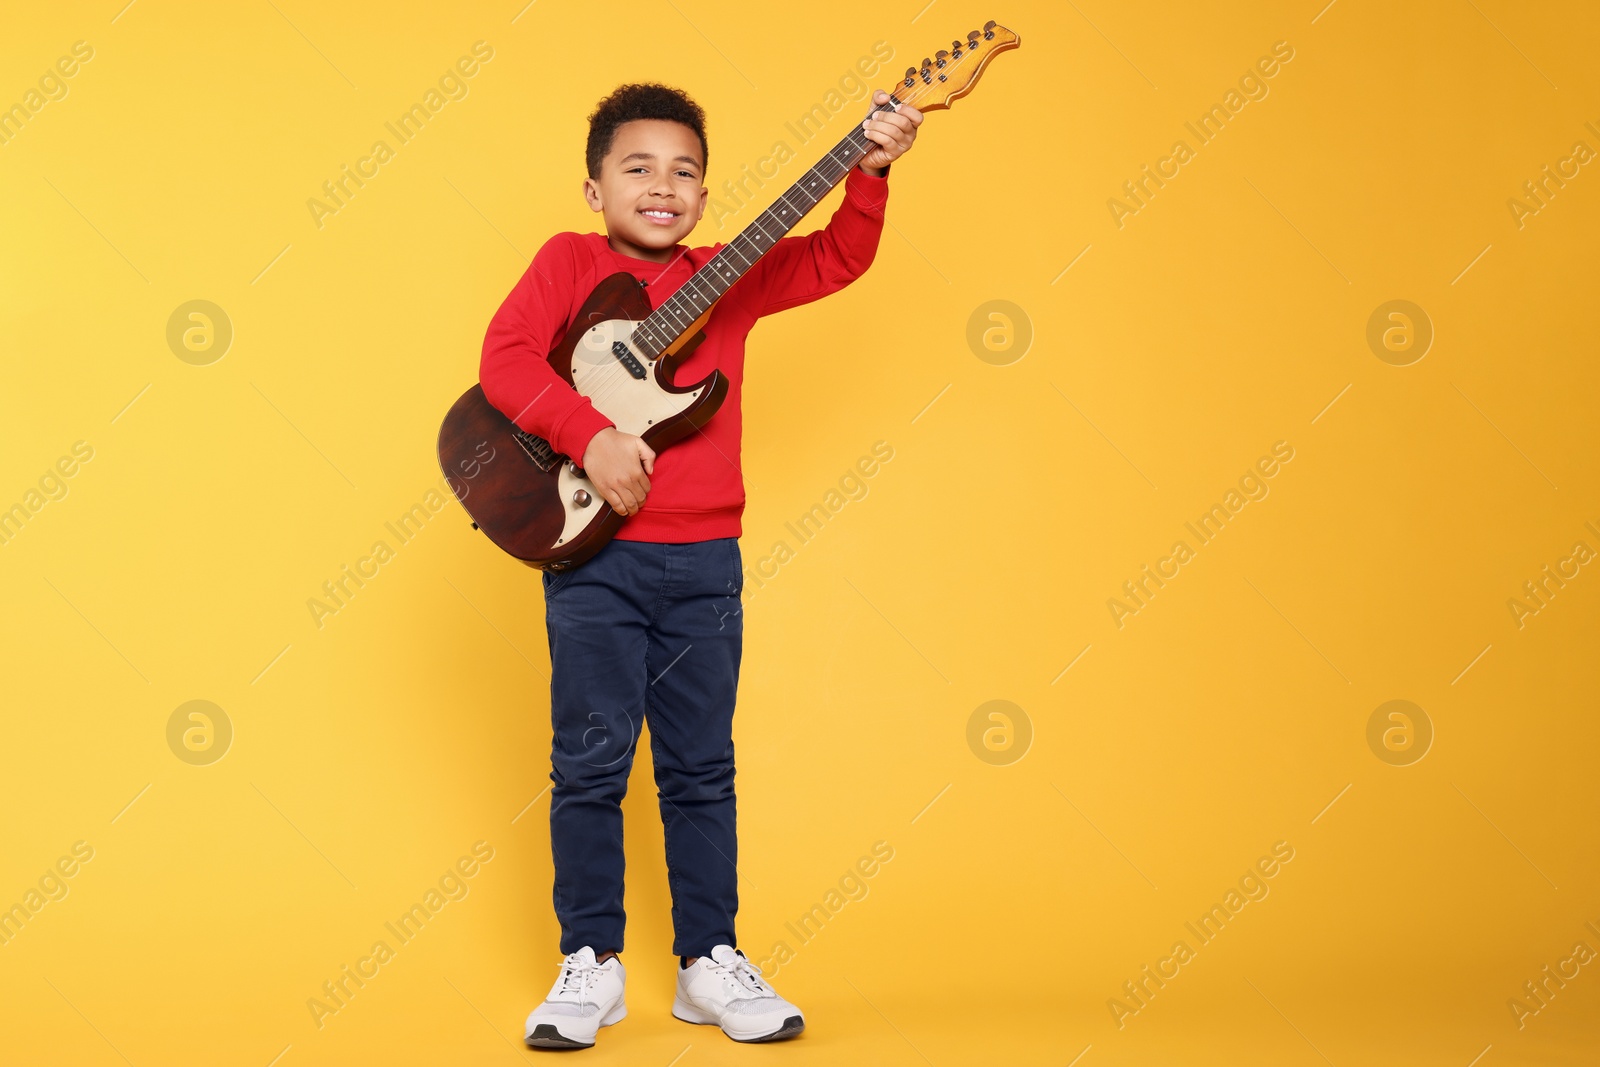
(791, 1026)
(686, 1013)
(545, 1035)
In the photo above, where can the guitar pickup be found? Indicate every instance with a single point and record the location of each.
(627, 359)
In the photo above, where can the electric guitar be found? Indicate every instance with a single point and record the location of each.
(536, 503)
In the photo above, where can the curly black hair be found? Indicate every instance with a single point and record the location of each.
(640, 100)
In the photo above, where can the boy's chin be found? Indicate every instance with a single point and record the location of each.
(655, 238)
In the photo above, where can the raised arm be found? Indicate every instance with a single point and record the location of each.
(798, 270)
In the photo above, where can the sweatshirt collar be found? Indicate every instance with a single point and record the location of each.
(678, 260)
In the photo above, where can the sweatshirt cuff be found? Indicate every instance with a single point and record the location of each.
(574, 434)
(866, 191)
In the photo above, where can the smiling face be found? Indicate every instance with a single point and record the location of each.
(651, 188)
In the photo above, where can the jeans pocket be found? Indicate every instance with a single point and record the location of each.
(736, 562)
(555, 581)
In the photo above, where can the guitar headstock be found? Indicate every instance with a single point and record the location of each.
(950, 74)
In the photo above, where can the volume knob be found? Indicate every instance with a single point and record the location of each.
(582, 498)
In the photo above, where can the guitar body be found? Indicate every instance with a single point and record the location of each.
(537, 504)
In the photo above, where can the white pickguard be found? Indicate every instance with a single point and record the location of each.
(634, 404)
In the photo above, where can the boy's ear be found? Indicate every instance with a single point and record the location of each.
(591, 193)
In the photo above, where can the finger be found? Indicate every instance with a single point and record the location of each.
(894, 145)
(877, 115)
(900, 124)
(649, 458)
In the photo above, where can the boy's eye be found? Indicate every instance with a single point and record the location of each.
(685, 173)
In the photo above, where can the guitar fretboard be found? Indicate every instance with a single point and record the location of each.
(657, 331)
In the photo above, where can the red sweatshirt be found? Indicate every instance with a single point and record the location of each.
(697, 489)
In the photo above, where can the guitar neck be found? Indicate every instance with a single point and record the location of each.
(663, 326)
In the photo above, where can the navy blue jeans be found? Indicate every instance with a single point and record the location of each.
(645, 632)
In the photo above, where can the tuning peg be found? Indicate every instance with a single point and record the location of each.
(988, 30)
(926, 63)
(973, 36)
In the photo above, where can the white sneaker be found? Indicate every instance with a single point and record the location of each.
(587, 996)
(725, 989)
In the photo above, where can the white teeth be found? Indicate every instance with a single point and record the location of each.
(661, 214)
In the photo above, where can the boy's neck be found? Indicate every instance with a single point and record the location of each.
(661, 256)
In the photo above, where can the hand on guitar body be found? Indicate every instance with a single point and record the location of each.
(619, 465)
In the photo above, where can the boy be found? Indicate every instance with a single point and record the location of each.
(650, 627)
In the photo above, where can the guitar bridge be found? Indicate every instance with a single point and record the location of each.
(538, 449)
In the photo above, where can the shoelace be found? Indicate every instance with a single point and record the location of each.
(582, 975)
(747, 975)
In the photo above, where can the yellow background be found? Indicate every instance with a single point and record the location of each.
(1228, 714)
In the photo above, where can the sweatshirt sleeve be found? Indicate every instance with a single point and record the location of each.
(798, 270)
(515, 369)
